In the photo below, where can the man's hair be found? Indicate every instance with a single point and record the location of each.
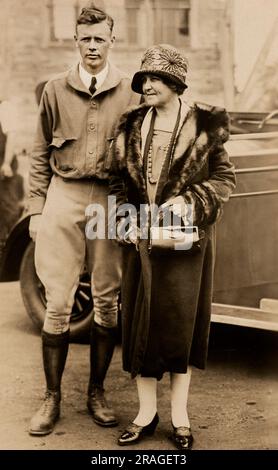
(93, 16)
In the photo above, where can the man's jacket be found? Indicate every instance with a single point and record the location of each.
(75, 130)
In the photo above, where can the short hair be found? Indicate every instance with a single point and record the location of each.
(93, 16)
(179, 89)
(176, 87)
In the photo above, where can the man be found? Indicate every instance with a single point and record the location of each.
(69, 170)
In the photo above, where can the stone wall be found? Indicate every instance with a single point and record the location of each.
(27, 55)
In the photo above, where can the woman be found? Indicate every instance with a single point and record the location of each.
(172, 155)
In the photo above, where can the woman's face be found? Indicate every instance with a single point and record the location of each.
(156, 93)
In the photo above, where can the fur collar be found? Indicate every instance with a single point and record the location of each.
(203, 128)
(212, 119)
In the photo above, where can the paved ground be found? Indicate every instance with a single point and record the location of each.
(233, 404)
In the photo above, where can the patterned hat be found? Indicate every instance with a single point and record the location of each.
(97, 5)
(162, 60)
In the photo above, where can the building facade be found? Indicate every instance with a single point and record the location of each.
(36, 42)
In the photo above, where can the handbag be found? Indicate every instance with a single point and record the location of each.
(175, 238)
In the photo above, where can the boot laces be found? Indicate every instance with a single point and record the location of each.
(50, 400)
(98, 394)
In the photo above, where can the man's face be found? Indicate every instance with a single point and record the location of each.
(94, 42)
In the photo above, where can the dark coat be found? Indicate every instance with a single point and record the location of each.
(166, 299)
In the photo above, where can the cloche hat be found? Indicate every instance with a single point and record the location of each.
(97, 5)
(162, 60)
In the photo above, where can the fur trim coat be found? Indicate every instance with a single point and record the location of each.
(166, 299)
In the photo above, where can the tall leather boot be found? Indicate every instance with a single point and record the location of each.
(103, 341)
(54, 351)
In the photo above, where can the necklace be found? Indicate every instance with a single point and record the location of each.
(147, 157)
(151, 177)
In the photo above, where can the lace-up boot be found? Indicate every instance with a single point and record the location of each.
(55, 349)
(44, 420)
(103, 341)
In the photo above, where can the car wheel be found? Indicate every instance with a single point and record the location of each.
(34, 298)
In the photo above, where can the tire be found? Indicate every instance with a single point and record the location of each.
(34, 299)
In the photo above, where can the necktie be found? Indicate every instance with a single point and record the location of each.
(92, 87)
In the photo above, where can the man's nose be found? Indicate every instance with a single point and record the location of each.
(92, 44)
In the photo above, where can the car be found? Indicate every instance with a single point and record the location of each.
(17, 263)
(246, 278)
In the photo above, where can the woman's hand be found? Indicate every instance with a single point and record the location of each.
(132, 235)
(177, 205)
(129, 236)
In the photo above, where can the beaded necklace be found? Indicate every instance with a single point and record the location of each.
(147, 163)
(151, 178)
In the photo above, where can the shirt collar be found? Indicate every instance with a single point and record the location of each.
(114, 77)
(86, 77)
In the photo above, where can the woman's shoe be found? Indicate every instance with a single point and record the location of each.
(182, 438)
(133, 433)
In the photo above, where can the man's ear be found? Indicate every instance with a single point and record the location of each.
(75, 40)
(112, 42)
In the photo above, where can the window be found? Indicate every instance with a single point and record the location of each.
(62, 15)
(132, 25)
(177, 30)
(134, 13)
(137, 22)
(172, 22)
(62, 18)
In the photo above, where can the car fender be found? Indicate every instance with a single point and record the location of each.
(15, 246)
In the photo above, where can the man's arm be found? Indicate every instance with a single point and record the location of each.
(40, 170)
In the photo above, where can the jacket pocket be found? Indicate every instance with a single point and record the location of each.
(63, 153)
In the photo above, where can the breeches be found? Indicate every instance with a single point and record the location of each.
(62, 250)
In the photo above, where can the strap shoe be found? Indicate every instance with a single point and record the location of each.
(133, 433)
(182, 437)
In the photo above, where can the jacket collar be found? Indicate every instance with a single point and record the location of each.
(200, 129)
(131, 149)
(112, 80)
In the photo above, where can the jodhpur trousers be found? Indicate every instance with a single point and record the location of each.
(62, 248)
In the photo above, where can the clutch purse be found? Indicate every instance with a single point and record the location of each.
(175, 238)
